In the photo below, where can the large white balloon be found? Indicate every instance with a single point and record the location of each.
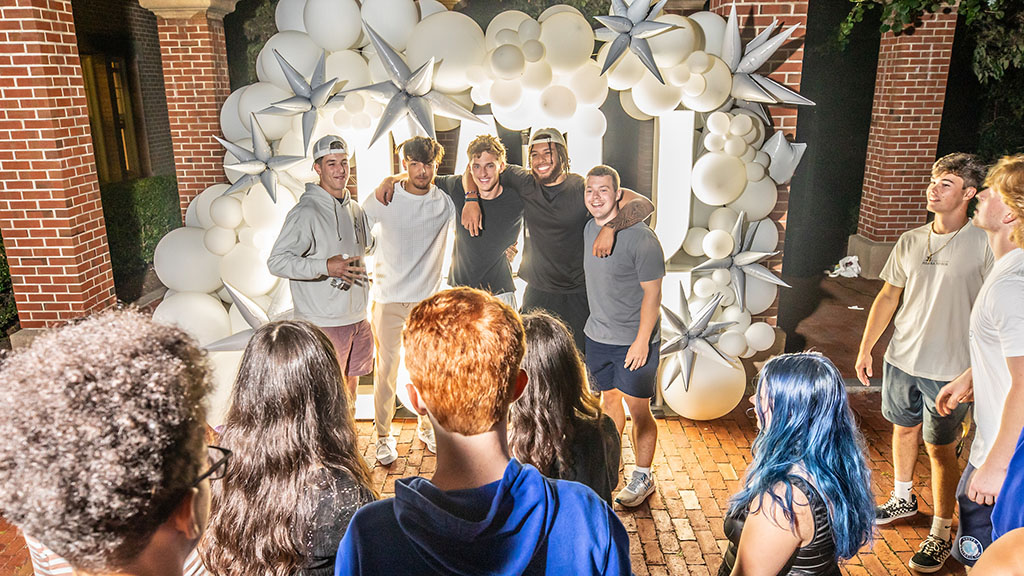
(537, 76)
(718, 178)
(262, 212)
(391, 19)
(183, 263)
(715, 389)
(558, 9)
(766, 236)
(288, 15)
(506, 94)
(589, 85)
(712, 28)
(629, 106)
(717, 244)
(300, 50)
(349, 68)
(673, 46)
(331, 24)
(760, 294)
(259, 96)
(654, 98)
(455, 42)
(760, 336)
(591, 122)
(693, 244)
(716, 84)
(723, 219)
(231, 125)
(732, 342)
(246, 269)
(568, 39)
(624, 73)
(758, 198)
(558, 102)
(199, 315)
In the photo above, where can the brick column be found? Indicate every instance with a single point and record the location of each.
(910, 90)
(50, 213)
(195, 65)
(787, 69)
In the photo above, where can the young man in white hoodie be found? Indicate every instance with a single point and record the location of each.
(320, 251)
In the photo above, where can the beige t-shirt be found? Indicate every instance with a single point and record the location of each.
(932, 324)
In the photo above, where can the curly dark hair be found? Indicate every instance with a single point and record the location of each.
(290, 419)
(101, 435)
(968, 167)
(422, 149)
(557, 400)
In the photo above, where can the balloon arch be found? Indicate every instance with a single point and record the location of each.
(407, 67)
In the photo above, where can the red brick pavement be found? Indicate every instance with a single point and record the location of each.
(680, 529)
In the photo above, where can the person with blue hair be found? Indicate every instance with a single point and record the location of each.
(806, 501)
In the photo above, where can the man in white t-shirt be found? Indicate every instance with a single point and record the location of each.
(996, 376)
(938, 270)
(410, 234)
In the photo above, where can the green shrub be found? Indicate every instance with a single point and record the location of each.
(8, 311)
(138, 214)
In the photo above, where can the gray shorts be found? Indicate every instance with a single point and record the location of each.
(910, 400)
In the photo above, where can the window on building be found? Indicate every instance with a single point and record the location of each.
(110, 117)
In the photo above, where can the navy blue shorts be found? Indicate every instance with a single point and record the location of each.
(974, 534)
(606, 365)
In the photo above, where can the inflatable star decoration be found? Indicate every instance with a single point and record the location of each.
(630, 26)
(741, 262)
(309, 96)
(746, 85)
(408, 93)
(258, 164)
(254, 316)
(693, 336)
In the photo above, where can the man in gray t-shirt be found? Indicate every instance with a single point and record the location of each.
(622, 333)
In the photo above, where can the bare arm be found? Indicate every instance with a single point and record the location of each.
(636, 356)
(472, 216)
(958, 391)
(767, 541)
(633, 208)
(988, 479)
(882, 310)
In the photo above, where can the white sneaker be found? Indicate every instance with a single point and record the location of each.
(426, 435)
(387, 451)
(639, 488)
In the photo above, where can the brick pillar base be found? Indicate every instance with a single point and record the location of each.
(195, 65)
(910, 90)
(50, 213)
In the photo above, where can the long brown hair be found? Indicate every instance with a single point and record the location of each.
(289, 418)
(557, 399)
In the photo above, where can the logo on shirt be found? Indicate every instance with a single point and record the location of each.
(970, 547)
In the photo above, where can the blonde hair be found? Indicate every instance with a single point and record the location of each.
(1007, 178)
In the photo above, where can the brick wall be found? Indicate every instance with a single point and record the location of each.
(910, 90)
(150, 76)
(196, 83)
(786, 67)
(50, 214)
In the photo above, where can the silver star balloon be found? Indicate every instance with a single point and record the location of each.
(408, 93)
(252, 313)
(309, 97)
(258, 164)
(697, 335)
(741, 262)
(630, 26)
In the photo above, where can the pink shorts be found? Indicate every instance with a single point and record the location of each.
(353, 345)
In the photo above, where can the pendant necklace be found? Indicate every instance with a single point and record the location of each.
(929, 253)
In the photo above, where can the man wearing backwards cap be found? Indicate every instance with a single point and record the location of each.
(320, 251)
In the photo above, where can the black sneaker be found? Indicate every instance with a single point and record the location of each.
(895, 509)
(931, 555)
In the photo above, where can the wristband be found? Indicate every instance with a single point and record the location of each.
(472, 198)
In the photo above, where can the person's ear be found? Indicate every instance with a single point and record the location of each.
(416, 400)
(405, 164)
(970, 192)
(186, 518)
(521, 382)
(1009, 217)
(317, 168)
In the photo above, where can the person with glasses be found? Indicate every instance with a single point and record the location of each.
(103, 463)
(295, 477)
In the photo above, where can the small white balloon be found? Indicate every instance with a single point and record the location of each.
(760, 336)
(735, 314)
(537, 76)
(732, 342)
(704, 287)
(766, 235)
(755, 171)
(721, 277)
(508, 36)
(226, 212)
(557, 9)
(592, 122)
(760, 295)
(758, 198)
(671, 47)
(654, 98)
(529, 29)
(506, 94)
(506, 20)
(199, 315)
(219, 240)
(718, 86)
(728, 298)
(723, 219)
(183, 263)
(714, 142)
(677, 75)
(718, 123)
(740, 125)
(362, 121)
(693, 243)
(589, 85)
(734, 146)
(718, 178)
(717, 244)
(533, 51)
(749, 353)
(507, 62)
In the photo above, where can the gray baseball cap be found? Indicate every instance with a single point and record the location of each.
(329, 144)
(547, 135)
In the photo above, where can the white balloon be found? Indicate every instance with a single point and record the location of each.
(699, 62)
(693, 243)
(568, 40)
(349, 68)
(533, 51)
(734, 146)
(760, 336)
(719, 122)
(259, 96)
(626, 101)
(704, 287)
(507, 61)
(288, 15)
(300, 50)
(714, 390)
(723, 219)
(760, 294)
(718, 178)
(246, 269)
(740, 317)
(529, 29)
(199, 315)
(508, 36)
(762, 158)
(721, 277)
(758, 198)
(712, 27)
(455, 42)
(226, 212)
(700, 213)
(537, 76)
(558, 102)
(740, 125)
(391, 19)
(506, 94)
(519, 117)
(343, 119)
(677, 75)
(589, 85)
(754, 171)
(183, 263)
(766, 236)
(430, 7)
(717, 244)
(714, 142)
(591, 122)
(332, 24)
(654, 98)
(718, 85)
(557, 9)
(506, 20)
(732, 342)
(231, 125)
(219, 240)
(202, 204)
(262, 212)
(728, 298)
(224, 368)
(672, 46)
(625, 73)
(362, 121)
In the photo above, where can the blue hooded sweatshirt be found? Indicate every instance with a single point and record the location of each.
(522, 524)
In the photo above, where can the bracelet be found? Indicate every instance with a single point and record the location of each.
(472, 198)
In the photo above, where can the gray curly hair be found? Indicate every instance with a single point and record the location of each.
(101, 432)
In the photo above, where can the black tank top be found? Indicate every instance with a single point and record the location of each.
(817, 558)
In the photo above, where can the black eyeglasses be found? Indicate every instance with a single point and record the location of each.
(217, 460)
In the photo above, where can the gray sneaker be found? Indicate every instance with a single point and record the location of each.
(387, 450)
(639, 488)
(931, 555)
(895, 508)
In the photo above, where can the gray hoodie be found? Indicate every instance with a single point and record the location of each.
(317, 228)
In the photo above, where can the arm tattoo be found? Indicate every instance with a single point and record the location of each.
(636, 210)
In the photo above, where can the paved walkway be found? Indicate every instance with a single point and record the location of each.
(679, 530)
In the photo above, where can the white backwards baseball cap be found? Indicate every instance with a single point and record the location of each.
(329, 144)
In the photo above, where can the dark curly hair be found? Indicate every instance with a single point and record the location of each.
(101, 435)
(968, 167)
(290, 419)
(557, 400)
